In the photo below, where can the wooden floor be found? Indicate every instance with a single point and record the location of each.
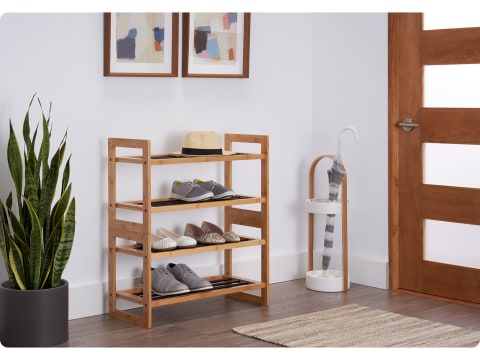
(209, 322)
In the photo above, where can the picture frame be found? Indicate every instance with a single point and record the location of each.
(141, 44)
(216, 45)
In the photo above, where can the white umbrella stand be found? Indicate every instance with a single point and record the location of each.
(325, 279)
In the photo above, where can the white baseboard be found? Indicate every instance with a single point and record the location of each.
(92, 299)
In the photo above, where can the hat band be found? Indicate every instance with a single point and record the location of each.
(194, 151)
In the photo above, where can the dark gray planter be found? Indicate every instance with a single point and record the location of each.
(33, 318)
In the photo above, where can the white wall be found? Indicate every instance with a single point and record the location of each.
(298, 94)
(350, 87)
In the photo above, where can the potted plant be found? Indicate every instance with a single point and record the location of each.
(36, 236)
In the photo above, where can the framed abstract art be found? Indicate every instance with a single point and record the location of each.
(216, 45)
(141, 44)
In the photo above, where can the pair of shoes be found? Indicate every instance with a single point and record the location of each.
(181, 241)
(175, 279)
(185, 275)
(210, 234)
(203, 237)
(198, 190)
(219, 191)
(229, 236)
(164, 283)
(161, 243)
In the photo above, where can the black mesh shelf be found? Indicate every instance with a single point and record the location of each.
(181, 202)
(217, 285)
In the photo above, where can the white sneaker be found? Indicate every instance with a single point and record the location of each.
(182, 241)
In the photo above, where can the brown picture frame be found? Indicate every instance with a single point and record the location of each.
(235, 66)
(112, 66)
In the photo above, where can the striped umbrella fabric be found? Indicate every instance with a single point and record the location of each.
(335, 177)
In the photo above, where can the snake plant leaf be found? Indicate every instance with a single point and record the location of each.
(26, 124)
(44, 118)
(16, 262)
(66, 174)
(18, 229)
(5, 243)
(65, 246)
(47, 264)
(31, 186)
(33, 159)
(15, 163)
(36, 242)
(45, 146)
(49, 186)
(4, 233)
(44, 151)
(9, 201)
(57, 226)
(30, 157)
(60, 207)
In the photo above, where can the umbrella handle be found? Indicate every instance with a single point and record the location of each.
(339, 147)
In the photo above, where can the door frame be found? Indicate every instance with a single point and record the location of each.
(396, 30)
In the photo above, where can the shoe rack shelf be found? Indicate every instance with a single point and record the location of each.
(225, 284)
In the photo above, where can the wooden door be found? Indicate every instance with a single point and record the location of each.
(411, 201)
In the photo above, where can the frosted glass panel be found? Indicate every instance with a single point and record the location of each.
(452, 85)
(450, 19)
(452, 243)
(452, 165)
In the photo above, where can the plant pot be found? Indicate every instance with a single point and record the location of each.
(31, 318)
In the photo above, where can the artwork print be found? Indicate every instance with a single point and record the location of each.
(215, 38)
(215, 44)
(140, 38)
(141, 44)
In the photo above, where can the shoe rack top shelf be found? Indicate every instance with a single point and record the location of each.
(165, 159)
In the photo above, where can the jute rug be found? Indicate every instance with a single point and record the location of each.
(359, 326)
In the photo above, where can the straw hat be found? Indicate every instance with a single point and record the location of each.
(201, 143)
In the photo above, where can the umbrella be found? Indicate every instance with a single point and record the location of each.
(335, 178)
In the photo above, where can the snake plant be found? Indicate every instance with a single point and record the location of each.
(36, 227)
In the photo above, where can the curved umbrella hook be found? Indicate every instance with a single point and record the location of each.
(339, 147)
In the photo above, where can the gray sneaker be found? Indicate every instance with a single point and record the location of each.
(186, 275)
(219, 191)
(189, 191)
(164, 283)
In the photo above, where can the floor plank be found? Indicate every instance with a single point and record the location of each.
(208, 323)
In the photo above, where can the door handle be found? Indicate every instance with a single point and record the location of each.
(407, 124)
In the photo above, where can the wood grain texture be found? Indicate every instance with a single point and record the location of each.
(450, 125)
(451, 46)
(449, 203)
(209, 322)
